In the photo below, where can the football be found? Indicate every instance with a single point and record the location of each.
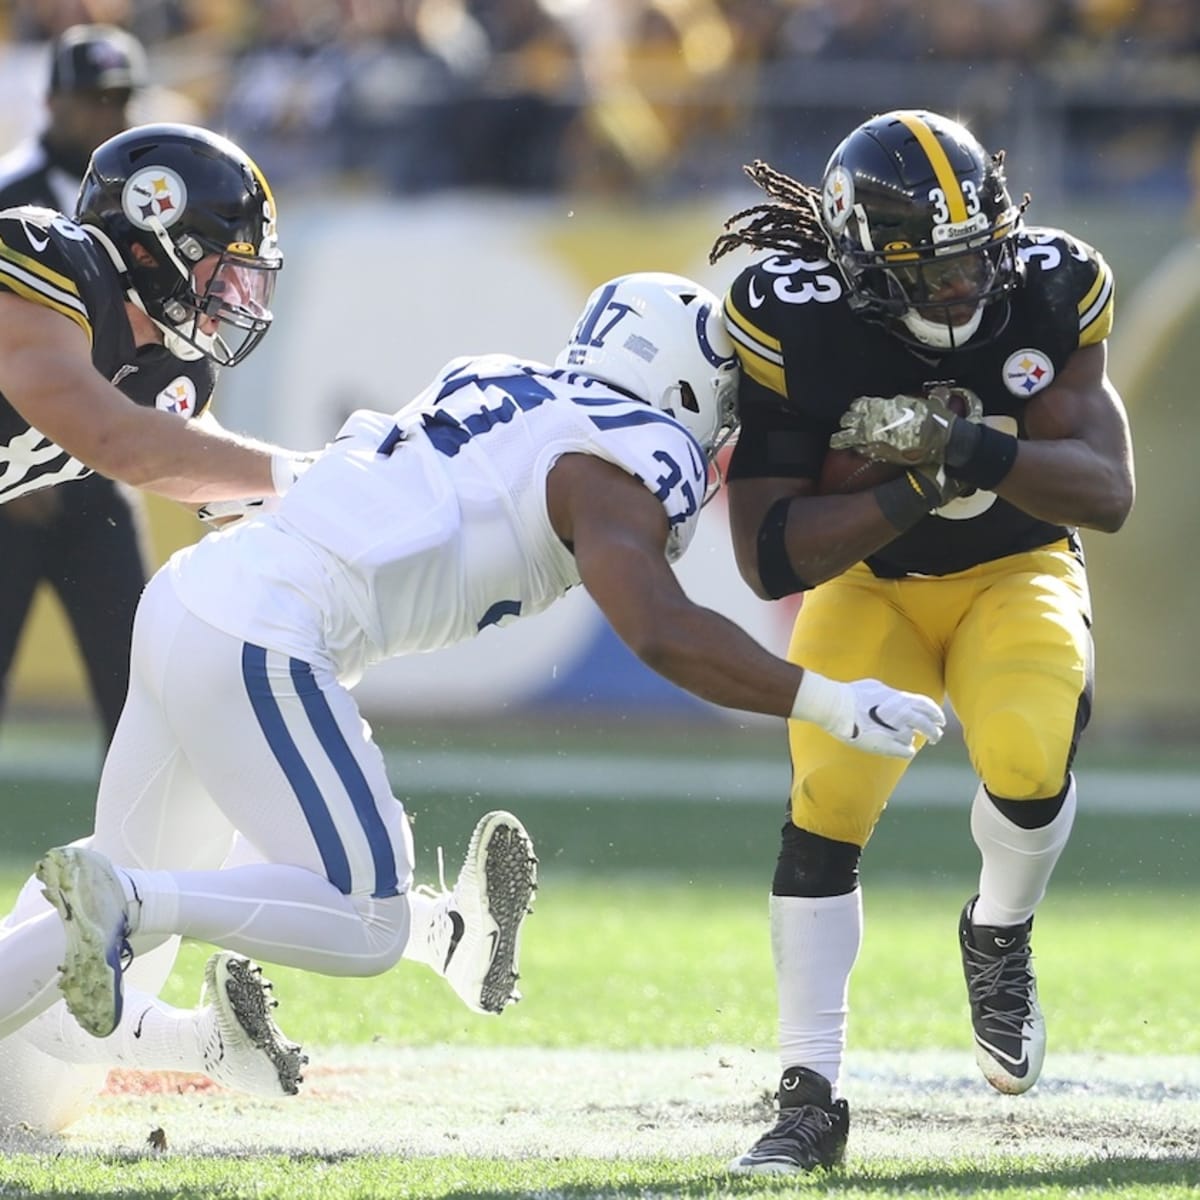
(844, 471)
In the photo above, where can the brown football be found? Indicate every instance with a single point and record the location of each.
(848, 471)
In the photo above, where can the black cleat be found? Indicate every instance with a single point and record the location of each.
(1010, 1034)
(810, 1133)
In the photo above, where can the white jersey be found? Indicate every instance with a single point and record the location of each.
(418, 529)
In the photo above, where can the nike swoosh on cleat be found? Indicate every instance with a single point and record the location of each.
(458, 926)
(495, 940)
(1019, 1066)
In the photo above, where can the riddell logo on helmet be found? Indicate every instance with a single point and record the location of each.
(154, 195)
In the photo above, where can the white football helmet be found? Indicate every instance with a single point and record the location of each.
(661, 338)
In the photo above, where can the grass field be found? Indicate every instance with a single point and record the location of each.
(643, 1055)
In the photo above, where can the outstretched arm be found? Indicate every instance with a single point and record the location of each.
(46, 374)
(619, 533)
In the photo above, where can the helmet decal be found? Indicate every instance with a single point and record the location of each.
(154, 194)
(706, 346)
(1027, 371)
(838, 198)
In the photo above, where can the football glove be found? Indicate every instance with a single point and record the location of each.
(907, 430)
(868, 714)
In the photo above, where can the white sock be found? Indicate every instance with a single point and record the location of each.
(815, 942)
(152, 1036)
(419, 948)
(1017, 863)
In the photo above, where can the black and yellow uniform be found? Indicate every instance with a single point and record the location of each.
(82, 539)
(979, 600)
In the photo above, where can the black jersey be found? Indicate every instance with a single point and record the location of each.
(805, 356)
(48, 259)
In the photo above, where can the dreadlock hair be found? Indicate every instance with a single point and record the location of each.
(998, 162)
(793, 225)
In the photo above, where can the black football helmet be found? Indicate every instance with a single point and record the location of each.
(184, 195)
(921, 225)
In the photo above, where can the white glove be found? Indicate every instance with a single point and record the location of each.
(286, 468)
(219, 513)
(868, 714)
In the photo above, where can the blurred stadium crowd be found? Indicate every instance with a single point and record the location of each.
(656, 98)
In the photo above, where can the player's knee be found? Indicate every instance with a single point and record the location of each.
(811, 865)
(1017, 758)
(385, 929)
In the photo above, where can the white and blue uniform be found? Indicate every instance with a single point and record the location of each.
(422, 528)
(410, 532)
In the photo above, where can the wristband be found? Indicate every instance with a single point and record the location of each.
(825, 703)
(978, 454)
(906, 500)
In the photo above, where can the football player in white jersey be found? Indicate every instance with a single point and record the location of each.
(501, 486)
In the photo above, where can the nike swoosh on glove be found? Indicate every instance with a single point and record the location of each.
(910, 431)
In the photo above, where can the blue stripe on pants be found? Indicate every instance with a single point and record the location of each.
(312, 803)
(330, 736)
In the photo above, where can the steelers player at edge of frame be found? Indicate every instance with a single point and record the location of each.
(907, 278)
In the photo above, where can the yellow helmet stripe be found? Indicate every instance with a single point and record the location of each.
(947, 179)
(262, 179)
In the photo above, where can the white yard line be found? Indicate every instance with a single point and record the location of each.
(689, 780)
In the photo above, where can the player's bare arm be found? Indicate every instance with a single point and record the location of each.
(47, 375)
(1074, 465)
(619, 534)
(823, 535)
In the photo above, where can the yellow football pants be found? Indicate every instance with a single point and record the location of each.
(1007, 642)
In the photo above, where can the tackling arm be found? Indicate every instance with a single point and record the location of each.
(619, 535)
(46, 374)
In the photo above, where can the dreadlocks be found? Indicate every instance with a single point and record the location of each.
(793, 225)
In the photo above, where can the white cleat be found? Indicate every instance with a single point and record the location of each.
(244, 1049)
(84, 887)
(475, 934)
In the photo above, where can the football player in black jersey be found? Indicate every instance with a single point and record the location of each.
(173, 245)
(906, 311)
(112, 323)
(83, 541)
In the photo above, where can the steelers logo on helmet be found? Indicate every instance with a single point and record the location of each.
(838, 197)
(154, 194)
(1027, 371)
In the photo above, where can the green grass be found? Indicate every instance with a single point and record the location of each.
(650, 935)
(458, 1178)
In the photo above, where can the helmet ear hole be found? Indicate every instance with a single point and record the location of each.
(687, 397)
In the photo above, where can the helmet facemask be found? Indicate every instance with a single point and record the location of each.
(221, 308)
(938, 297)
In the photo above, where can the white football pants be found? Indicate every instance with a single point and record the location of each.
(219, 736)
